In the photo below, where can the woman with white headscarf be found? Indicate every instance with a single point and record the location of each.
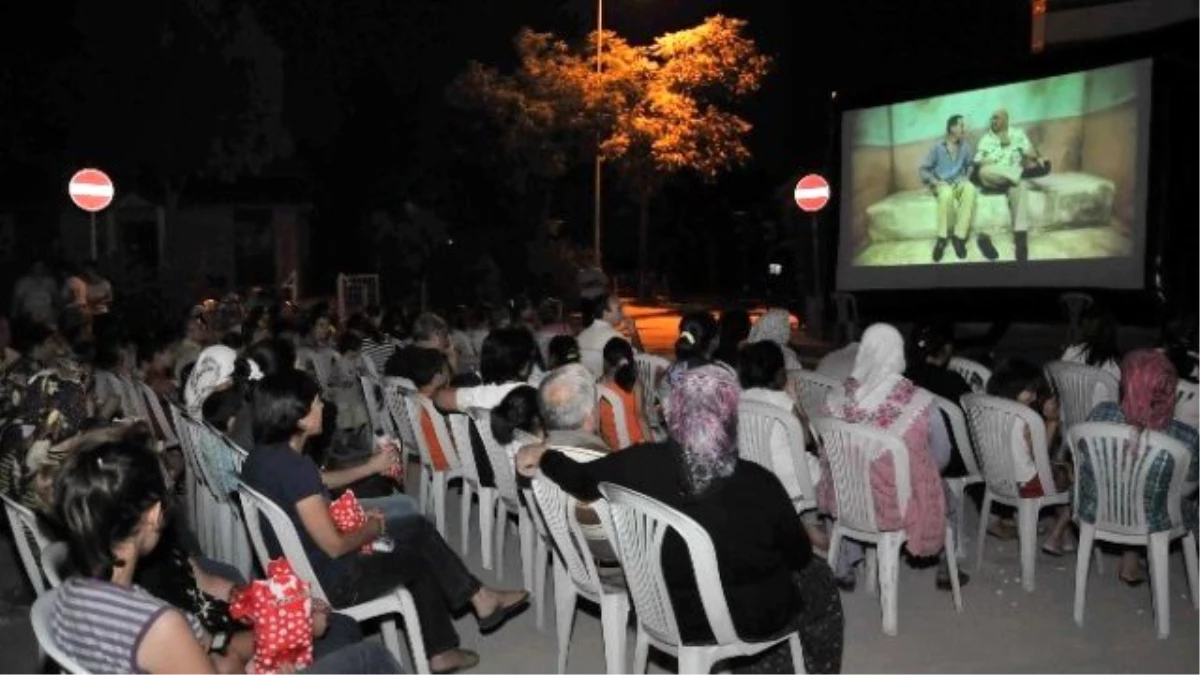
(878, 395)
(770, 576)
(216, 369)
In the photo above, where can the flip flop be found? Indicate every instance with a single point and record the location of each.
(1132, 583)
(498, 616)
(1051, 551)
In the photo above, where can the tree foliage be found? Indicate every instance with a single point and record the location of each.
(652, 111)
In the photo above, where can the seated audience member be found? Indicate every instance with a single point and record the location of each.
(621, 378)
(217, 368)
(770, 577)
(287, 412)
(106, 385)
(156, 359)
(1147, 402)
(376, 347)
(763, 376)
(930, 348)
(563, 349)
(878, 395)
(839, 363)
(110, 506)
(775, 325)
(603, 320)
(516, 414)
(1021, 381)
(695, 346)
(732, 331)
(196, 336)
(567, 399)
(1098, 344)
(552, 325)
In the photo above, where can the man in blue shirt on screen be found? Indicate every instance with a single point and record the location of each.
(946, 169)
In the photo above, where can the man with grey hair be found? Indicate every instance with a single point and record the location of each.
(567, 398)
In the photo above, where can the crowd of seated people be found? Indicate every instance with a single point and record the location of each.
(285, 386)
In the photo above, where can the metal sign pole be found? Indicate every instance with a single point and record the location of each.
(95, 244)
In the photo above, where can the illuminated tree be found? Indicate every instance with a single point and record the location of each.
(653, 112)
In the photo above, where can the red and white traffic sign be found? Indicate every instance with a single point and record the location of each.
(812, 193)
(91, 190)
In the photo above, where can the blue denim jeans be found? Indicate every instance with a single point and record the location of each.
(396, 509)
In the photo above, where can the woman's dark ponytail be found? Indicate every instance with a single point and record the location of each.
(100, 497)
(618, 355)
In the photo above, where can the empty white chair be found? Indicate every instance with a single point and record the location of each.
(395, 389)
(25, 527)
(39, 616)
(998, 429)
(257, 506)
(637, 526)
(1125, 463)
(958, 484)
(378, 413)
(976, 374)
(575, 577)
(815, 389)
(851, 449)
(1187, 408)
(758, 424)
(1080, 387)
(650, 368)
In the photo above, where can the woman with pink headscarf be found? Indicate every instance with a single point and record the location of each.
(879, 396)
(1147, 402)
(771, 579)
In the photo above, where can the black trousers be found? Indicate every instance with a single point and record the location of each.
(423, 563)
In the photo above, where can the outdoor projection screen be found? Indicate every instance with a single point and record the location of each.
(1084, 219)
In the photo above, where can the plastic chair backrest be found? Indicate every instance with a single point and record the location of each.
(1080, 387)
(578, 454)
(132, 403)
(976, 374)
(1123, 461)
(256, 506)
(217, 461)
(378, 413)
(650, 368)
(815, 389)
(158, 416)
(502, 465)
(558, 513)
(637, 525)
(320, 364)
(850, 450)
(25, 527)
(618, 410)
(460, 431)
(997, 432)
(54, 562)
(757, 423)
(960, 433)
(418, 403)
(1185, 399)
(39, 616)
(395, 391)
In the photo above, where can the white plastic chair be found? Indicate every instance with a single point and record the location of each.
(815, 389)
(54, 562)
(1185, 401)
(618, 410)
(650, 368)
(575, 577)
(434, 483)
(976, 374)
(193, 478)
(758, 423)
(132, 403)
(395, 391)
(996, 426)
(378, 413)
(39, 616)
(460, 430)
(851, 449)
(958, 484)
(1122, 474)
(159, 418)
(25, 526)
(637, 526)
(1080, 388)
(507, 502)
(256, 506)
(220, 531)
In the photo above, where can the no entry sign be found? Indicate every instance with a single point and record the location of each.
(812, 193)
(91, 190)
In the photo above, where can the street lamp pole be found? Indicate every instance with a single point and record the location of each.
(596, 185)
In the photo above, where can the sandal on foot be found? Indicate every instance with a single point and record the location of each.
(1132, 583)
(499, 615)
(1051, 551)
(468, 660)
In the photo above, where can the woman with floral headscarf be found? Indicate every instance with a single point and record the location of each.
(1147, 402)
(877, 395)
(770, 576)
